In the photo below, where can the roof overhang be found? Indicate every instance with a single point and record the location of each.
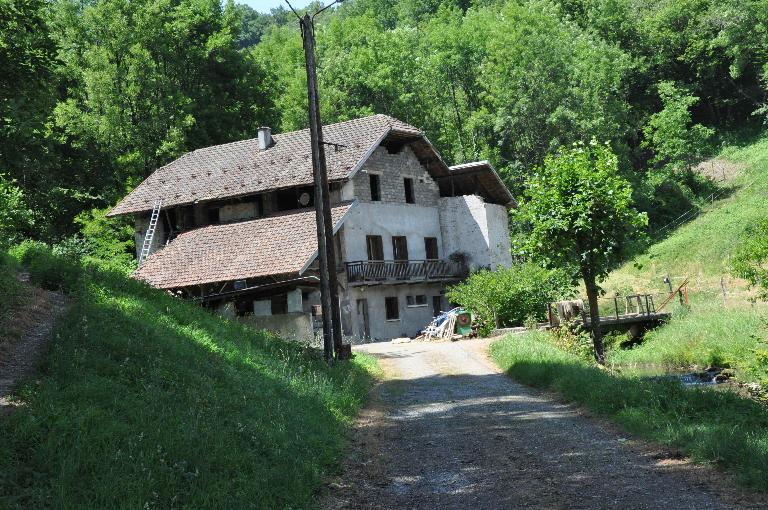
(477, 177)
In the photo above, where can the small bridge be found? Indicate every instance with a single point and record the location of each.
(635, 313)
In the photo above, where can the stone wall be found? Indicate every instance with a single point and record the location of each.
(158, 240)
(392, 169)
(291, 326)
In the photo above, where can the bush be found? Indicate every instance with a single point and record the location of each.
(15, 217)
(509, 297)
(49, 270)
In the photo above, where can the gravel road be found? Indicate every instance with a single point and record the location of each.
(446, 430)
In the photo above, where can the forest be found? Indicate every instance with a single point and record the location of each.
(96, 95)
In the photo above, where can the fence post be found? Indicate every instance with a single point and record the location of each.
(722, 287)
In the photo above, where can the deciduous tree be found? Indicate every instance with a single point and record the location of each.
(581, 215)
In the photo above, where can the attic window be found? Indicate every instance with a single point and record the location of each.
(375, 187)
(408, 184)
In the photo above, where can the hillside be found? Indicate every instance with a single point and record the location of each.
(721, 328)
(145, 401)
(701, 249)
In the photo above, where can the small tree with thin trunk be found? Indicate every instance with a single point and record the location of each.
(581, 215)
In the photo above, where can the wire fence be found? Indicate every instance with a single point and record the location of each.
(694, 212)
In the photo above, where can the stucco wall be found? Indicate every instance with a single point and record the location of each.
(412, 319)
(413, 221)
(478, 229)
(498, 235)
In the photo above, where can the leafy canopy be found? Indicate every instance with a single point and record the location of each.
(675, 141)
(751, 260)
(15, 217)
(580, 210)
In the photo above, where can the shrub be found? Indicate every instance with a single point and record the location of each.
(508, 297)
(47, 269)
(10, 287)
(15, 216)
(106, 238)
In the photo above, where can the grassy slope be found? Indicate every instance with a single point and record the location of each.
(708, 425)
(10, 288)
(145, 401)
(712, 332)
(701, 249)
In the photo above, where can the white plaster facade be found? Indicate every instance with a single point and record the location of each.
(480, 230)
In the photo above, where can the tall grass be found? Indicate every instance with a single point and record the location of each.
(709, 334)
(702, 248)
(145, 401)
(10, 287)
(708, 425)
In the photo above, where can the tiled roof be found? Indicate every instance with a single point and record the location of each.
(274, 245)
(240, 168)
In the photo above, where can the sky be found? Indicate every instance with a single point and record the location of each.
(266, 5)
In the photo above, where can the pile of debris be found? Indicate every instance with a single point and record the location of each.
(451, 325)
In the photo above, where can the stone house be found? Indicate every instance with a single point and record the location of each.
(236, 227)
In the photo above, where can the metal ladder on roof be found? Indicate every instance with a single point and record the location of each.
(150, 234)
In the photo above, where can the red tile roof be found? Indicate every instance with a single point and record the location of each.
(274, 245)
(240, 168)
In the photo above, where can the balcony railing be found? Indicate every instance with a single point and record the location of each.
(404, 270)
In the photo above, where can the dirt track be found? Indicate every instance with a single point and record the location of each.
(32, 322)
(447, 430)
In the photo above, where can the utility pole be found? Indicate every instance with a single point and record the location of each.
(329, 293)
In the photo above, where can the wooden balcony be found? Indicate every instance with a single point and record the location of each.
(380, 271)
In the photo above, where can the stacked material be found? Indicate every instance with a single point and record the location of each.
(443, 327)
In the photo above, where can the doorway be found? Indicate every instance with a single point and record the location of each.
(437, 305)
(363, 328)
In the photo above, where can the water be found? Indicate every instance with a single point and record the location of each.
(707, 377)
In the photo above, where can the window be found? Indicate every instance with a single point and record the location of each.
(375, 187)
(400, 248)
(430, 248)
(375, 247)
(393, 310)
(408, 183)
(294, 198)
(279, 304)
(213, 215)
(418, 300)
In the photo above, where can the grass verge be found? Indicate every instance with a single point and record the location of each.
(145, 401)
(708, 425)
